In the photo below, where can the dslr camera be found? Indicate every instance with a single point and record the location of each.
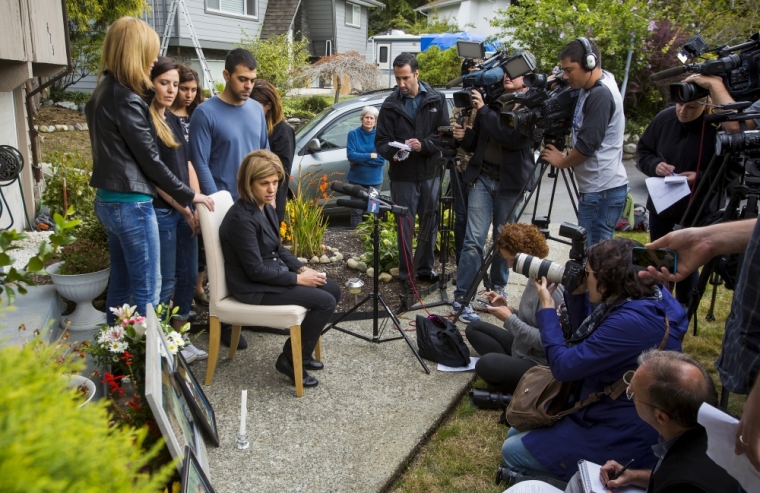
(738, 66)
(569, 275)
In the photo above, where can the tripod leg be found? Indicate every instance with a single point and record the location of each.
(397, 325)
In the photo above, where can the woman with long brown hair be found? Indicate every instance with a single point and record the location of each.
(126, 166)
(282, 138)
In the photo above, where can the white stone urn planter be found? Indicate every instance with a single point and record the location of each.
(81, 289)
(76, 381)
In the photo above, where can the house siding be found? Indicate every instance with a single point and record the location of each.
(350, 38)
(210, 26)
(320, 17)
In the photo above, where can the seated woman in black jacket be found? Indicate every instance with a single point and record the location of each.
(261, 271)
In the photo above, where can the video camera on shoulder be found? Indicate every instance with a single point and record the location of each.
(738, 66)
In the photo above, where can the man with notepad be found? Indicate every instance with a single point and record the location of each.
(668, 389)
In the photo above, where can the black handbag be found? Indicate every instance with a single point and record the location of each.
(439, 340)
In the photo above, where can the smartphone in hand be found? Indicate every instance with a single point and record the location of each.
(642, 258)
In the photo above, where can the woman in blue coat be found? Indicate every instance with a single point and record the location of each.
(366, 164)
(631, 317)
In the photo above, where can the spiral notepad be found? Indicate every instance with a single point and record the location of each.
(592, 483)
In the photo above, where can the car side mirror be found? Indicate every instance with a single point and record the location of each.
(314, 145)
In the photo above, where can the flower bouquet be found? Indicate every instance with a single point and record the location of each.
(120, 350)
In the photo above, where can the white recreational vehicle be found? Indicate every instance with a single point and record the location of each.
(383, 48)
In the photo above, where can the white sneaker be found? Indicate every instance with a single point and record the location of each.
(188, 355)
(200, 354)
(467, 316)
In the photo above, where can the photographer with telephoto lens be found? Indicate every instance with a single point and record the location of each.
(500, 166)
(505, 355)
(631, 316)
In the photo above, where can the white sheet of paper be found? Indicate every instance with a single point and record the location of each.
(532, 486)
(666, 194)
(675, 179)
(400, 145)
(469, 367)
(721, 439)
(596, 485)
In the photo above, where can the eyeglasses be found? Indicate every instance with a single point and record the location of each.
(629, 393)
(589, 271)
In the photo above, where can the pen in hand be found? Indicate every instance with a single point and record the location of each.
(620, 472)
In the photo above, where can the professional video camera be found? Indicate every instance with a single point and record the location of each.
(488, 79)
(571, 274)
(744, 142)
(547, 111)
(740, 71)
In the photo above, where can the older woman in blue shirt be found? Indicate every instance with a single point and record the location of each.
(366, 164)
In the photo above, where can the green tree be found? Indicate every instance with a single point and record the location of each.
(281, 60)
(395, 14)
(438, 67)
(88, 22)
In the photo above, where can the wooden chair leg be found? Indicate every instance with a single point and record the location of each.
(295, 346)
(318, 350)
(214, 337)
(234, 340)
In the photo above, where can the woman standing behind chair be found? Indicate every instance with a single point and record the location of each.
(261, 271)
(188, 98)
(178, 225)
(366, 165)
(126, 166)
(282, 138)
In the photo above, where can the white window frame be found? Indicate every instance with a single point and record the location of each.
(246, 15)
(354, 7)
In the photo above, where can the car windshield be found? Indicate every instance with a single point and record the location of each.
(313, 122)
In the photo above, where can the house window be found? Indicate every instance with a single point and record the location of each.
(234, 7)
(353, 15)
(383, 58)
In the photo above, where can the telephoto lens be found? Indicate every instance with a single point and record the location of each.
(483, 399)
(536, 268)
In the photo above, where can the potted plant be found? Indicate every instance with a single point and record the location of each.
(83, 272)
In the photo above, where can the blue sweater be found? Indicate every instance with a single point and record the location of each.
(609, 429)
(364, 170)
(221, 135)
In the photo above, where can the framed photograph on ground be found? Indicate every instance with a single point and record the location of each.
(163, 395)
(197, 400)
(194, 480)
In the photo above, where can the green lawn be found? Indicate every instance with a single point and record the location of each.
(463, 454)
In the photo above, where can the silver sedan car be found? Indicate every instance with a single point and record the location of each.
(321, 147)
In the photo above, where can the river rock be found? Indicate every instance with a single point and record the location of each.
(361, 266)
(352, 263)
(629, 148)
(51, 128)
(370, 272)
(41, 129)
(302, 260)
(71, 128)
(338, 256)
(61, 128)
(384, 277)
(78, 126)
(324, 259)
(635, 139)
(394, 271)
(314, 260)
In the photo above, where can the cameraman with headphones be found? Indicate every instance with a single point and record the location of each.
(598, 128)
(500, 166)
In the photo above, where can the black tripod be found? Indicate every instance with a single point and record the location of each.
(541, 221)
(377, 298)
(446, 227)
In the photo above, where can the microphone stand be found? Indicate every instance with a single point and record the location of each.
(375, 295)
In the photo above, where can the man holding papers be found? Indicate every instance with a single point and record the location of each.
(677, 143)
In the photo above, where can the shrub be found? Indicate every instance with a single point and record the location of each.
(82, 257)
(388, 249)
(75, 171)
(78, 97)
(48, 443)
(438, 66)
(315, 104)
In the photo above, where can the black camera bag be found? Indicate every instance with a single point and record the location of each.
(439, 340)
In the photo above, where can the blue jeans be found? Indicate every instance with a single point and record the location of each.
(599, 212)
(134, 249)
(518, 458)
(485, 204)
(179, 260)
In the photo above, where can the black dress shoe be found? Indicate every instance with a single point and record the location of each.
(285, 366)
(227, 337)
(312, 364)
(432, 277)
(192, 316)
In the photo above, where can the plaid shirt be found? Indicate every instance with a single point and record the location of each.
(739, 361)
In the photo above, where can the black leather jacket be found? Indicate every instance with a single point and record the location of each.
(124, 152)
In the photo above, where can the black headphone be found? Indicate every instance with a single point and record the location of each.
(589, 61)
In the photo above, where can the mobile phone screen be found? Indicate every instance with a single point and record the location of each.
(644, 257)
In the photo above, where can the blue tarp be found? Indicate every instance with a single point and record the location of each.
(447, 40)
